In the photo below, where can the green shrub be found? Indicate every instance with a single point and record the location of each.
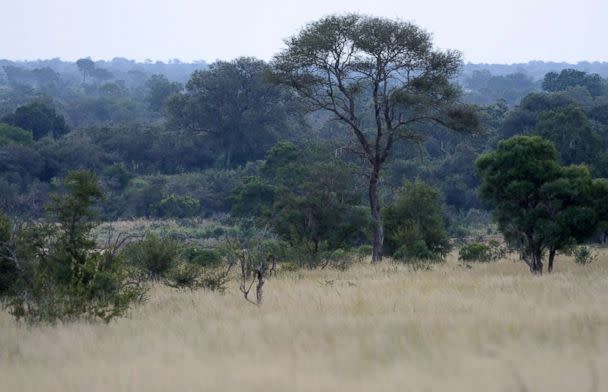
(202, 256)
(364, 250)
(474, 252)
(14, 135)
(178, 207)
(61, 274)
(8, 268)
(154, 255)
(583, 255)
(414, 224)
(481, 252)
(416, 251)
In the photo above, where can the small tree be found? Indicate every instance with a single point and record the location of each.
(415, 227)
(540, 206)
(58, 272)
(308, 197)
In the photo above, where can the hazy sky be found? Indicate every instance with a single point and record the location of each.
(504, 31)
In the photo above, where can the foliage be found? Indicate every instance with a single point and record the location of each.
(202, 256)
(178, 207)
(414, 223)
(539, 205)
(583, 255)
(573, 134)
(481, 252)
(8, 267)
(352, 67)
(193, 277)
(154, 255)
(569, 78)
(160, 89)
(307, 196)
(10, 134)
(240, 125)
(59, 273)
(40, 118)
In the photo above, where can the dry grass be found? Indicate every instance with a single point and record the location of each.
(493, 327)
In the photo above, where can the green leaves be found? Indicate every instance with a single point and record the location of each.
(539, 205)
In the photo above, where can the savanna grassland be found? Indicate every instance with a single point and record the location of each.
(487, 327)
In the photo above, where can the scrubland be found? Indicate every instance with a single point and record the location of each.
(481, 327)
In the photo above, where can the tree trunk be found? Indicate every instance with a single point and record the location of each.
(228, 157)
(376, 217)
(536, 264)
(551, 257)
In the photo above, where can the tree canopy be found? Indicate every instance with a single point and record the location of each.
(539, 205)
(381, 78)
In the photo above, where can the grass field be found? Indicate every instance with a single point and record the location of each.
(492, 327)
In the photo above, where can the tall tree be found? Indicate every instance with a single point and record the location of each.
(233, 104)
(39, 117)
(569, 78)
(86, 66)
(382, 79)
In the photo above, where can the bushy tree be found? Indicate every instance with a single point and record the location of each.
(307, 196)
(159, 90)
(569, 78)
(59, 273)
(232, 104)
(415, 227)
(572, 133)
(14, 135)
(40, 118)
(154, 255)
(539, 205)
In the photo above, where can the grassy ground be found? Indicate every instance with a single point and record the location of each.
(491, 327)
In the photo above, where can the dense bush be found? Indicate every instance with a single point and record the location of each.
(474, 252)
(154, 255)
(15, 135)
(482, 252)
(308, 197)
(54, 271)
(202, 256)
(178, 207)
(414, 225)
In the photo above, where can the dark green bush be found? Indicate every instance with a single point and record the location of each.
(475, 252)
(154, 255)
(8, 268)
(178, 207)
(414, 224)
(416, 251)
(202, 256)
(482, 252)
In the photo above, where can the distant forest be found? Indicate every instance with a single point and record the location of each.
(191, 139)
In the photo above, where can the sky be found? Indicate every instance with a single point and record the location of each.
(485, 31)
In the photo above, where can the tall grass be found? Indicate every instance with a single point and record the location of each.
(492, 327)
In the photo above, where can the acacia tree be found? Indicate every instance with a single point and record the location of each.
(379, 77)
(86, 66)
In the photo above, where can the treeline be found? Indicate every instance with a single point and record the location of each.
(204, 141)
